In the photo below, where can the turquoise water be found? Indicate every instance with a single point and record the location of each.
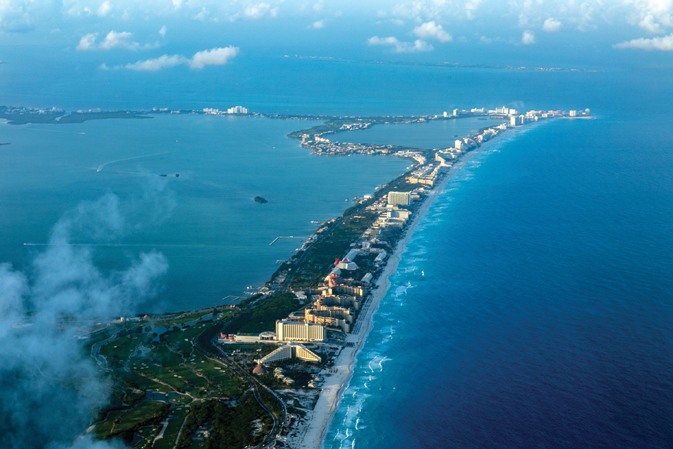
(216, 238)
(430, 135)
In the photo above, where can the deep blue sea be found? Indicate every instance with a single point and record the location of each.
(533, 305)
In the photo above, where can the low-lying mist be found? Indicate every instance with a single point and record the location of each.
(49, 385)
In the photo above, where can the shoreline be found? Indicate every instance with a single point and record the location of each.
(332, 391)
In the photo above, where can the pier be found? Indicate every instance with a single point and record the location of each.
(285, 237)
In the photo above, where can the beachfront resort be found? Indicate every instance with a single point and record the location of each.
(279, 359)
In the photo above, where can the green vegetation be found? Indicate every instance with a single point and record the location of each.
(24, 118)
(246, 302)
(271, 402)
(182, 318)
(204, 339)
(79, 117)
(263, 317)
(333, 125)
(170, 364)
(125, 423)
(336, 240)
(230, 428)
(399, 184)
(319, 258)
(175, 420)
(60, 117)
(365, 265)
(119, 351)
(258, 348)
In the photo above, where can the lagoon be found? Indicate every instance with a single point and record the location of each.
(205, 221)
(430, 135)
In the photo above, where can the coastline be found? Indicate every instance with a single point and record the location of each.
(309, 426)
(335, 385)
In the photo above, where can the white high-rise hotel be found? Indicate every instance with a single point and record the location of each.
(297, 331)
(237, 110)
(401, 198)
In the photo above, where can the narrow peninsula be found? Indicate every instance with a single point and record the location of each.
(268, 370)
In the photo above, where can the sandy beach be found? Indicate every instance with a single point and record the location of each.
(337, 380)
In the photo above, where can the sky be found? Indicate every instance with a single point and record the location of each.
(156, 35)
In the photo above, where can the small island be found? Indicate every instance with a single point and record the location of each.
(260, 200)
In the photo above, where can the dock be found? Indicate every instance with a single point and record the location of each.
(285, 237)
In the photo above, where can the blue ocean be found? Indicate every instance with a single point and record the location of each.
(532, 307)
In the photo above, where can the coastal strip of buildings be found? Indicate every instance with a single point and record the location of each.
(331, 308)
(323, 144)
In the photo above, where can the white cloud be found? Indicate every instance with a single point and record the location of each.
(177, 3)
(653, 16)
(113, 39)
(649, 23)
(162, 31)
(215, 56)
(159, 63)
(202, 15)
(87, 42)
(401, 47)
(550, 25)
(419, 45)
(318, 24)
(485, 39)
(104, 9)
(432, 30)
(657, 43)
(18, 15)
(119, 40)
(470, 7)
(528, 38)
(260, 10)
(383, 40)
